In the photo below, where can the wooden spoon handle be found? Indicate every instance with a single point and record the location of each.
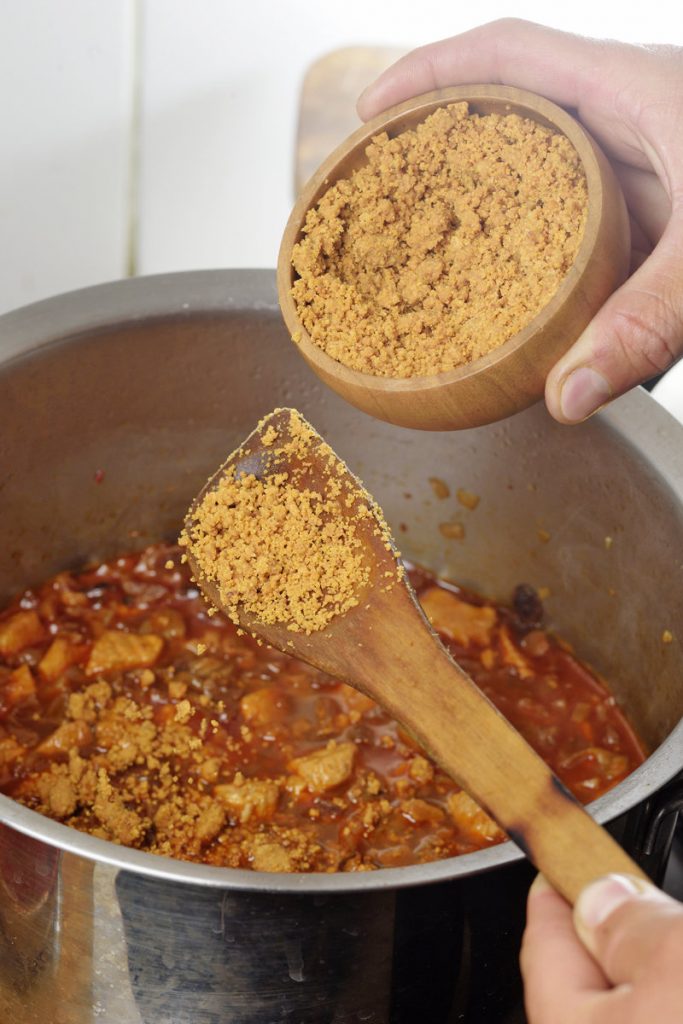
(478, 747)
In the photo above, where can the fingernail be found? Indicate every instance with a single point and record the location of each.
(601, 898)
(583, 393)
(540, 884)
(363, 98)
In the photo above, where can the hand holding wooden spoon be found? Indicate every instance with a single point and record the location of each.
(286, 540)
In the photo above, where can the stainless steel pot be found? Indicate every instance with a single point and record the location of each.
(152, 381)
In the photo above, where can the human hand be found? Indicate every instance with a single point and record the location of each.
(634, 976)
(631, 99)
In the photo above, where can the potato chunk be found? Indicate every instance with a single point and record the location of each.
(471, 819)
(20, 631)
(459, 621)
(115, 651)
(249, 798)
(324, 769)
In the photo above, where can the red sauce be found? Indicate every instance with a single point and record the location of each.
(127, 711)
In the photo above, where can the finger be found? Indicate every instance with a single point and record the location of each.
(634, 932)
(638, 333)
(640, 247)
(646, 198)
(560, 977)
(508, 51)
(571, 70)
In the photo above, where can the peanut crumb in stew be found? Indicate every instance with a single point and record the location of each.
(127, 710)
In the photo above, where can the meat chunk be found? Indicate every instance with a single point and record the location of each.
(165, 622)
(512, 656)
(210, 769)
(271, 857)
(461, 622)
(66, 737)
(421, 770)
(613, 766)
(421, 812)
(263, 707)
(355, 700)
(471, 819)
(249, 798)
(324, 769)
(210, 823)
(61, 797)
(20, 631)
(115, 651)
(59, 656)
(10, 749)
(20, 686)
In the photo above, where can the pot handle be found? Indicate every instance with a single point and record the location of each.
(672, 803)
(649, 836)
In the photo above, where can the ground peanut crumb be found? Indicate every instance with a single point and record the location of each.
(667, 636)
(183, 711)
(269, 437)
(467, 499)
(446, 243)
(284, 545)
(452, 531)
(440, 487)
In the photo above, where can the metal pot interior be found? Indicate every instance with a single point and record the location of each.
(154, 381)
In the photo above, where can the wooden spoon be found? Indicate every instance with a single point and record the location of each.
(385, 647)
(511, 377)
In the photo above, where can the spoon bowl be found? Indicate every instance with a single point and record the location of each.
(385, 647)
(511, 377)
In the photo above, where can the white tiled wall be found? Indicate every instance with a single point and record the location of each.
(152, 135)
(66, 88)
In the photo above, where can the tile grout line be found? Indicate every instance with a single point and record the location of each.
(134, 150)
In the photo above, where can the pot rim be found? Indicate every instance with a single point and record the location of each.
(650, 431)
(659, 768)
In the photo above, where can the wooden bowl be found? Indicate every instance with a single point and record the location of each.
(511, 377)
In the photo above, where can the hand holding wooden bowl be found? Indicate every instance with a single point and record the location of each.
(512, 376)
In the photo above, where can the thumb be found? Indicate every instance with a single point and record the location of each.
(630, 926)
(637, 334)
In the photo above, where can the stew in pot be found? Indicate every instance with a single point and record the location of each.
(129, 711)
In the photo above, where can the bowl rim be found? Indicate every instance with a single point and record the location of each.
(638, 420)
